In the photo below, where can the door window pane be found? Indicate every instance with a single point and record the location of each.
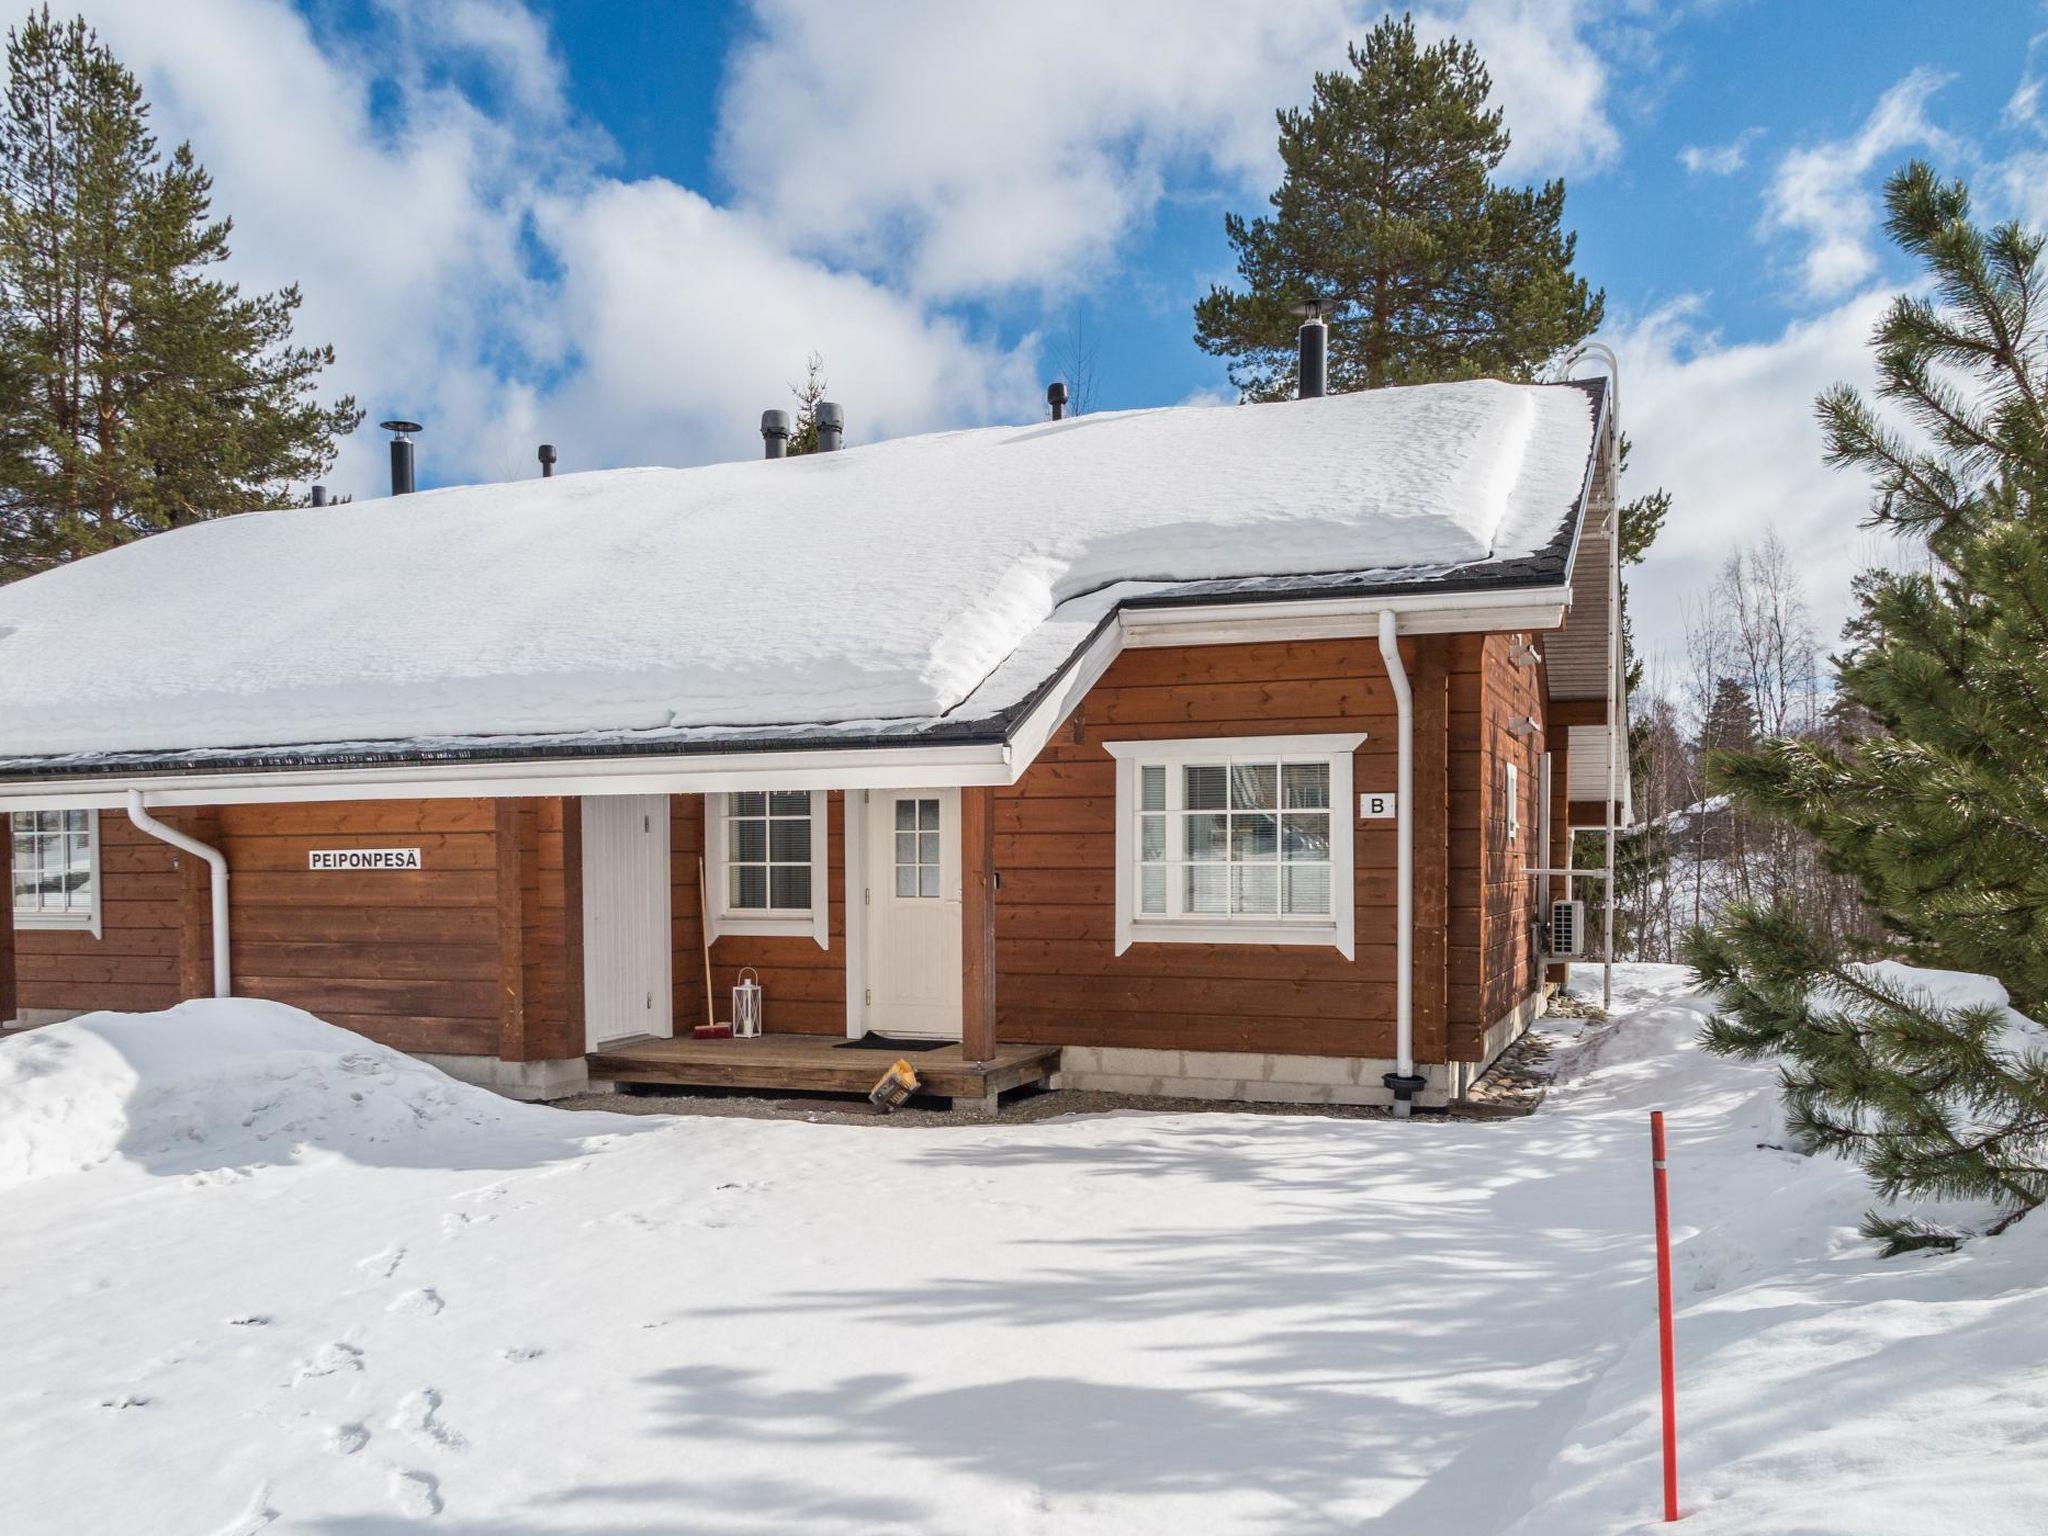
(917, 848)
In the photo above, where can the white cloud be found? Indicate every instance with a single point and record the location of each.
(452, 223)
(2023, 107)
(1719, 159)
(474, 268)
(970, 150)
(1823, 195)
(1729, 430)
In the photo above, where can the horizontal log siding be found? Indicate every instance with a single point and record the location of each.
(1057, 978)
(803, 987)
(408, 958)
(1507, 968)
(133, 965)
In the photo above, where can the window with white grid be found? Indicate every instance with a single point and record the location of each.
(767, 863)
(1245, 840)
(55, 868)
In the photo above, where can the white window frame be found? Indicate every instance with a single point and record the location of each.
(1337, 931)
(791, 922)
(1514, 818)
(83, 921)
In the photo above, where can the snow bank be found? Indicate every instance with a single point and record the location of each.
(221, 1083)
(878, 583)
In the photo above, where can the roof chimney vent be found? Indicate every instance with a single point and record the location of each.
(401, 454)
(1056, 397)
(831, 426)
(1314, 337)
(547, 461)
(319, 495)
(774, 434)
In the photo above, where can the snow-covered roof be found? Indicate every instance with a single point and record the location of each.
(927, 579)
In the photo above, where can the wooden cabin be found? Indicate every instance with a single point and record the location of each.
(1094, 746)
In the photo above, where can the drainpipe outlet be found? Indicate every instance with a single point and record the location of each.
(1404, 1089)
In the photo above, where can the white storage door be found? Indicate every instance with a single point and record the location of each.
(627, 946)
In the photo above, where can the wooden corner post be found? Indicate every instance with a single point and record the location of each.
(977, 922)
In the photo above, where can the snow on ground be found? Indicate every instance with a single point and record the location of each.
(882, 582)
(345, 1296)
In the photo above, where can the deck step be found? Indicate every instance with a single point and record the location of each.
(810, 1063)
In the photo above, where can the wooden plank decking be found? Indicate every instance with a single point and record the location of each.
(812, 1063)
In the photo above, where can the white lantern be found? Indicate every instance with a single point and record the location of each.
(746, 1006)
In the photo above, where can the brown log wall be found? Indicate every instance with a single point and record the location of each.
(134, 965)
(480, 952)
(1057, 978)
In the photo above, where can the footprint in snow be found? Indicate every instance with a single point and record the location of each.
(347, 1439)
(124, 1400)
(249, 1320)
(419, 1415)
(255, 1515)
(519, 1354)
(425, 1302)
(417, 1494)
(209, 1178)
(453, 1222)
(327, 1360)
(383, 1265)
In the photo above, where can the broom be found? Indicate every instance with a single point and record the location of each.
(710, 1029)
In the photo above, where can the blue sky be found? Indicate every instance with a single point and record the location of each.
(621, 226)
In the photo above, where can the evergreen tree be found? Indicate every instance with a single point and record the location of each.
(1642, 854)
(803, 432)
(141, 392)
(1387, 205)
(1730, 724)
(1939, 809)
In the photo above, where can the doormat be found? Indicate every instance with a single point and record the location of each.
(874, 1042)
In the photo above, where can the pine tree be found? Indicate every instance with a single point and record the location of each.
(803, 432)
(1730, 723)
(1387, 205)
(1939, 807)
(1642, 854)
(141, 392)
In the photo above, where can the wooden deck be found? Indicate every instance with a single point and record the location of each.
(814, 1064)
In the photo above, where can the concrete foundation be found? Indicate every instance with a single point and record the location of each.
(29, 1018)
(1500, 1034)
(526, 1080)
(1246, 1076)
(1255, 1078)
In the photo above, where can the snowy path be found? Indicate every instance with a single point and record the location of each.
(536, 1322)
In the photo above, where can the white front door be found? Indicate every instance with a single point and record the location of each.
(913, 912)
(627, 945)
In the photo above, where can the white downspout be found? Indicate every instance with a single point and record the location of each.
(217, 862)
(1402, 1082)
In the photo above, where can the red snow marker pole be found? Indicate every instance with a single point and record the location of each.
(1664, 1346)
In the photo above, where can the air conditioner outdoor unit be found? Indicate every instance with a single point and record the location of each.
(1567, 927)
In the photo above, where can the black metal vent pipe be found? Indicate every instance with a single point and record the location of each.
(401, 454)
(547, 461)
(319, 495)
(775, 434)
(831, 426)
(1314, 339)
(1056, 397)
